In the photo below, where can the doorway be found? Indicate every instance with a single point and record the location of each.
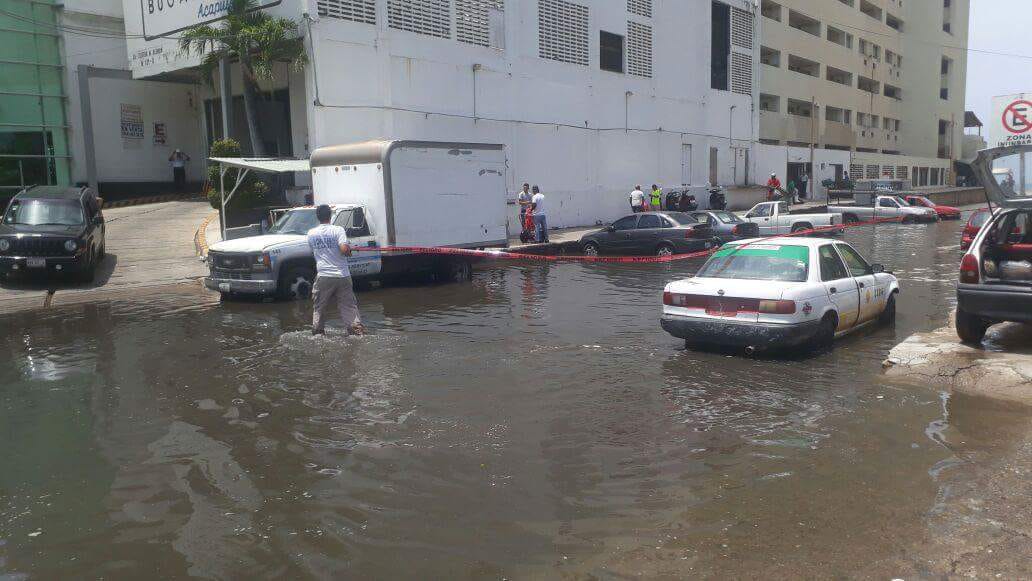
(795, 171)
(686, 164)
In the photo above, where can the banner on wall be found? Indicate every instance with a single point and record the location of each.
(132, 122)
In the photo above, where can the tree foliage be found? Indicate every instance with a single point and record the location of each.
(251, 192)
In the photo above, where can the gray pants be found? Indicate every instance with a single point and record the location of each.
(332, 288)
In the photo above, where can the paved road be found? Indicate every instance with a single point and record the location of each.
(148, 245)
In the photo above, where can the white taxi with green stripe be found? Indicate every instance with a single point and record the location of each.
(779, 292)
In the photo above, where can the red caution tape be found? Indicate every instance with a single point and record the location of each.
(503, 254)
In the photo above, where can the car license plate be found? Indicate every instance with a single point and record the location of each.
(720, 310)
(224, 287)
(36, 262)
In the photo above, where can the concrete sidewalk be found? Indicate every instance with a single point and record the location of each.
(147, 246)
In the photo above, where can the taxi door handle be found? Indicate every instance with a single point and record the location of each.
(862, 285)
(833, 290)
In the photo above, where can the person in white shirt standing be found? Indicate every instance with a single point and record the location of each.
(330, 246)
(178, 161)
(637, 199)
(537, 205)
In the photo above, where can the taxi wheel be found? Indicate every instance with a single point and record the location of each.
(591, 249)
(888, 316)
(825, 335)
(665, 250)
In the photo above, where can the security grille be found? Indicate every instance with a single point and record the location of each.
(741, 73)
(889, 171)
(872, 172)
(563, 31)
(473, 20)
(903, 172)
(429, 17)
(742, 28)
(639, 49)
(640, 7)
(355, 10)
(856, 171)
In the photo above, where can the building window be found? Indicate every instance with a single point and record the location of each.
(770, 103)
(839, 76)
(871, 10)
(893, 92)
(610, 52)
(640, 7)
(770, 9)
(563, 31)
(720, 51)
(947, 16)
(363, 11)
(836, 115)
(770, 56)
(944, 78)
(639, 49)
(742, 28)
(894, 22)
(840, 38)
(868, 85)
(800, 21)
(480, 22)
(803, 66)
(429, 17)
(800, 108)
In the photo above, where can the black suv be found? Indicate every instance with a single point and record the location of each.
(52, 229)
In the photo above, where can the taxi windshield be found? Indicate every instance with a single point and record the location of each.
(759, 262)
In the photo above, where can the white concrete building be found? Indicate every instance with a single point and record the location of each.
(882, 80)
(589, 97)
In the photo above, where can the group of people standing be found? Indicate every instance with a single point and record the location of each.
(532, 211)
(646, 203)
(796, 191)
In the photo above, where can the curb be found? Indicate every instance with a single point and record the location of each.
(150, 200)
(201, 237)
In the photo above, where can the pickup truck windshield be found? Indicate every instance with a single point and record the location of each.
(45, 213)
(759, 262)
(295, 222)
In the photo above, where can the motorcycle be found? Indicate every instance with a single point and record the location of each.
(717, 200)
(687, 203)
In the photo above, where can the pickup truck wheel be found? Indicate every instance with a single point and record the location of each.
(850, 219)
(296, 283)
(908, 220)
(801, 227)
(591, 249)
(665, 250)
(971, 329)
(888, 315)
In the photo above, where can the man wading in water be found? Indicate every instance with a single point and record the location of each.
(330, 246)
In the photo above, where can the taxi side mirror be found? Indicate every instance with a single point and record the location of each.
(877, 268)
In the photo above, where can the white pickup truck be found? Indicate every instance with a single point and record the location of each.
(384, 193)
(777, 218)
(868, 206)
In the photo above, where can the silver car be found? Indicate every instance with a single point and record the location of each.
(726, 226)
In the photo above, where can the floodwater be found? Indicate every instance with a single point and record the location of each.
(534, 423)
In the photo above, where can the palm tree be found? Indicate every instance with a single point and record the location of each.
(257, 41)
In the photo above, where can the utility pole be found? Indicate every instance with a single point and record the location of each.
(813, 138)
(731, 142)
(227, 98)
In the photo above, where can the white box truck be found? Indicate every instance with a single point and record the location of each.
(386, 194)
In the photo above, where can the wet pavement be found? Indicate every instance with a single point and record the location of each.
(534, 423)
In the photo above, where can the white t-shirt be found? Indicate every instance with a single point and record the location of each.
(325, 241)
(539, 204)
(637, 198)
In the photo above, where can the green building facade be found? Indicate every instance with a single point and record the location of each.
(33, 120)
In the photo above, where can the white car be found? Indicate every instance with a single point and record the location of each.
(763, 293)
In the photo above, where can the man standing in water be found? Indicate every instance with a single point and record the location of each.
(330, 246)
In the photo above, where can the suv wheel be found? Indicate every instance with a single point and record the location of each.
(971, 329)
(296, 283)
(89, 270)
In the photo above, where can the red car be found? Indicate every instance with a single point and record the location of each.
(974, 225)
(944, 212)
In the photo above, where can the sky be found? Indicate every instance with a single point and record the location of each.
(998, 25)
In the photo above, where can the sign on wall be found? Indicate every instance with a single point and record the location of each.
(164, 17)
(132, 121)
(1011, 123)
(160, 137)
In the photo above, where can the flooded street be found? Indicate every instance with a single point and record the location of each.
(534, 423)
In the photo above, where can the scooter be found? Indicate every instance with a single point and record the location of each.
(717, 200)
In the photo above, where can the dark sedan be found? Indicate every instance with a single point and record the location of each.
(652, 233)
(727, 226)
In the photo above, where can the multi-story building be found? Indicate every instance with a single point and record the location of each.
(881, 82)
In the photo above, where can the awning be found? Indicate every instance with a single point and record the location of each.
(264, 164)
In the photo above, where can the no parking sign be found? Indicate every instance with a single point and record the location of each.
(1011, 123)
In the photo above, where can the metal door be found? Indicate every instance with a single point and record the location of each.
(686, 164)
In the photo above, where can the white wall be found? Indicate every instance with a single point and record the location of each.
(563, 124)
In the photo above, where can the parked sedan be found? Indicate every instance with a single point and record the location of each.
(973, 226)
(791, 291)
(654, 233)
(944, 212)
(727, 226)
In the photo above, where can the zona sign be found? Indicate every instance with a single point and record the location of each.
(1017, 117)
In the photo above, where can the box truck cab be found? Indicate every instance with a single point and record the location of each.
(385, 194)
